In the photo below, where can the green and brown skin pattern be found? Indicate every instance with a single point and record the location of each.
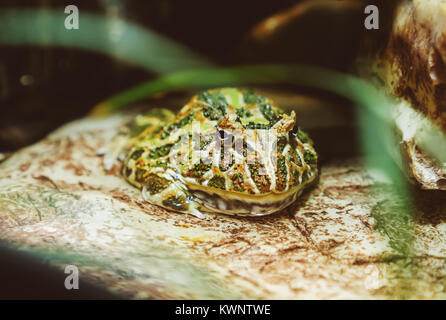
(217, 155)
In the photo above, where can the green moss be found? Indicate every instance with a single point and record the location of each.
(395, 220)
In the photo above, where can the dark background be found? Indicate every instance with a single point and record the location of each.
(64, 84)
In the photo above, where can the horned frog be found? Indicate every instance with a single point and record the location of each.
(227, 150)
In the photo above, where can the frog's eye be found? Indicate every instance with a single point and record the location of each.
(226, 137)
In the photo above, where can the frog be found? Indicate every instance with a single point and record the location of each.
(228, 151)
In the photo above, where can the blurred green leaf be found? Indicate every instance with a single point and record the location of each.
(108, 35)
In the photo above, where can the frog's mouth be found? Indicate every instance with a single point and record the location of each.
(240, 204)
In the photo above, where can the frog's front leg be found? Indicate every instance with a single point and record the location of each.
(165, 188)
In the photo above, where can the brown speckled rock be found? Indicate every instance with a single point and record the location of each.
(57, 202)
